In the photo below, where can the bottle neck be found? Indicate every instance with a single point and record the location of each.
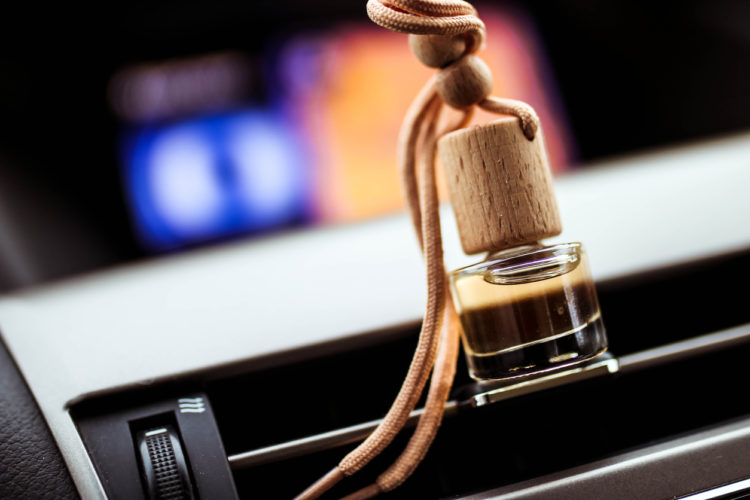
(509, 252)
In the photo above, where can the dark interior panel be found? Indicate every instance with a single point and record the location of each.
(507, 442)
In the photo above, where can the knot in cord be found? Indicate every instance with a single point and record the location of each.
(448, 32)
(430, 17)
(444, 34)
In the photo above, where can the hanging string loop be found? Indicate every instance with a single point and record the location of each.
(430, 17)
(444, 34)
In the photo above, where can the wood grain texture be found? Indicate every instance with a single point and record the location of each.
(500, 186)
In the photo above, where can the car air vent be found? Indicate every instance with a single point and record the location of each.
(680, 335)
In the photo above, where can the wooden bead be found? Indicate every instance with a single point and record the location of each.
(437, 51)
(465, 82)
(500, 185)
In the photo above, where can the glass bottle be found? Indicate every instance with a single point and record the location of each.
(528, 309)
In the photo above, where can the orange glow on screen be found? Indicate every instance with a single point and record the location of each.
(366, 77)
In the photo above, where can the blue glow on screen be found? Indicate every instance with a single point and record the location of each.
(200, 179)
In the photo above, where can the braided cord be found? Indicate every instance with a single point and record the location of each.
(438, 342)
(427, 17)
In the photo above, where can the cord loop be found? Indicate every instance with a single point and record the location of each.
(443, 34)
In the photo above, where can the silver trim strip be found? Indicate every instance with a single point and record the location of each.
(685, 349)
(358, 432)
(665, 470)
(607, 365)
(74, 339)
(319, 442)
(738, 487)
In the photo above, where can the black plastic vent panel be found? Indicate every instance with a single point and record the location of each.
(513, 440)
(156, 445)
(479, 449)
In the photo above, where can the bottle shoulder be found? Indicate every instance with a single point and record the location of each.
(524, 264)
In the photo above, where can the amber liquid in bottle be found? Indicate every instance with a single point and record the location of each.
(527, 310)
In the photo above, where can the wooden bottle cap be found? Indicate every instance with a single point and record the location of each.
(500, 186)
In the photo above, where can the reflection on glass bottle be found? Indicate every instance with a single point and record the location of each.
(528, 309)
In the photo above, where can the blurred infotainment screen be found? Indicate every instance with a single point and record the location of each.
(300, 133)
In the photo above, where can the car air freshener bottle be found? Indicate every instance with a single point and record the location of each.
(528, 307)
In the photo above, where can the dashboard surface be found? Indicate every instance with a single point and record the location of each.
(265, 303)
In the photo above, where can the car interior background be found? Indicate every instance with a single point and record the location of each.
(202, 231)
